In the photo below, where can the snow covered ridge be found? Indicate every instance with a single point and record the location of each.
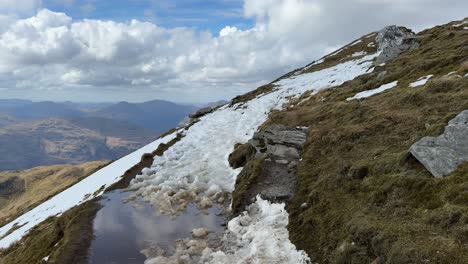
(368, 93)
(76, 194)
(198, 163)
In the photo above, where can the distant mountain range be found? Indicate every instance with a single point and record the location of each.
(156, 115)
(47, 133)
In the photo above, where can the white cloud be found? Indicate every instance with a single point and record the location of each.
(51, 51)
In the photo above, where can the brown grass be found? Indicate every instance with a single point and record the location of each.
(36, 185)
(368, 200)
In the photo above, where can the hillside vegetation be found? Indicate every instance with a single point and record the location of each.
(361, 197)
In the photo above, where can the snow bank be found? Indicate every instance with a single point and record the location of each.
(421, 81)
(199, 161)
(76, 194)
(258, 236)
(368, 93)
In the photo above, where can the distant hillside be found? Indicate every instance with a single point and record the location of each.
(22, 190)
(156, 115)
(68, 141)
(27, 110)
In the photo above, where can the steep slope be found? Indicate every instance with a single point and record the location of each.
(360, 197)
(20, 191)
(72, 141)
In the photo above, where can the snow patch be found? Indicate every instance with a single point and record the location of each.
(461, 24)
(356, 42)
(359, 53)
(421, 81)
(76, 194)
(368, 93)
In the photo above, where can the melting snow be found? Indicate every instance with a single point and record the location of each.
(77, 194)
(421, 81)
(368, 93)
(258, 234)
(461, 24)
(356, 42)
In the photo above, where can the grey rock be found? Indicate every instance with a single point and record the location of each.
(381, 74)
(285, 152)
(278, 183)
(280, 134)
(391, 41)
(278, 149)
(443, 154)
(201, 112)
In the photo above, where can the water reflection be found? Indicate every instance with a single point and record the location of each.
(122, 230)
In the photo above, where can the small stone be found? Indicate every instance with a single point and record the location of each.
(200, 232)
(206, 203)
(304, 206)
(381, 74)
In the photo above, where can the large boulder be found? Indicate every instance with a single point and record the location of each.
(392, 40)
(443, 154)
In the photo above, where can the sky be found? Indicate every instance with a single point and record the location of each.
(189, 51)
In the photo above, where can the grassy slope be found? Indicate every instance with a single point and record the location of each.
(29, 188)
(368, 201)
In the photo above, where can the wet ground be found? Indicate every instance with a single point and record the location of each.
(122, 230)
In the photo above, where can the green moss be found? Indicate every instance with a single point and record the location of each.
(245, 180)
(241, 155)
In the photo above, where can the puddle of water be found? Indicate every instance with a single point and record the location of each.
(122, 230)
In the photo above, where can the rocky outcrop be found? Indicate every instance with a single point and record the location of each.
(201, 112)
(271, 170)
(392, 41)
(443, 154)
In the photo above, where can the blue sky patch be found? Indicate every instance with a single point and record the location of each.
(200, 14)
